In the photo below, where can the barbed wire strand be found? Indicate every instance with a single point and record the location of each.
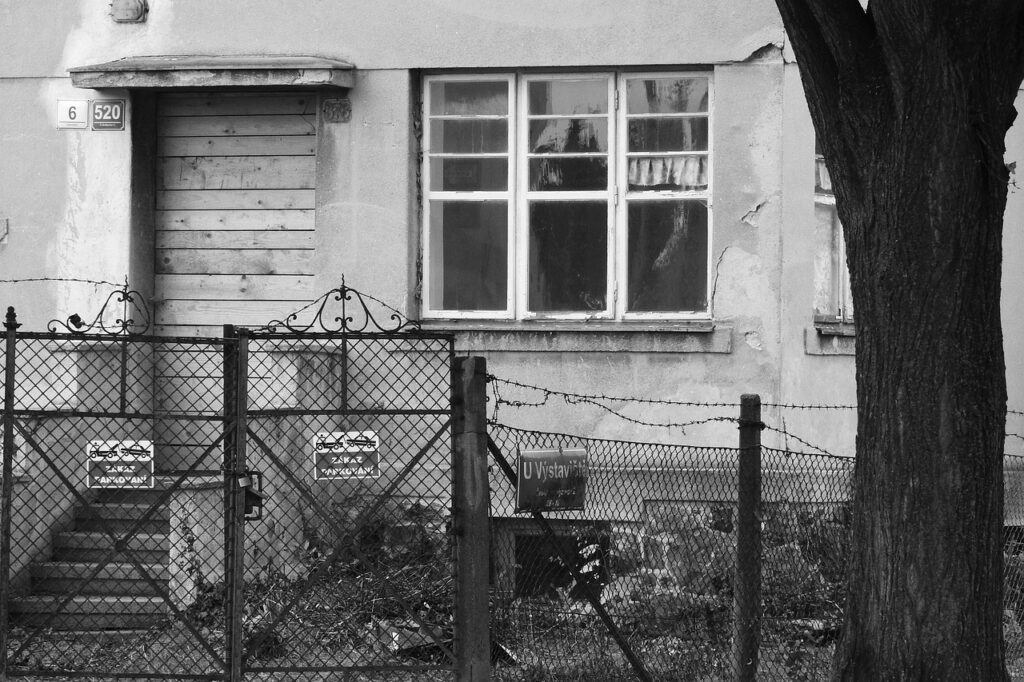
(75, 280)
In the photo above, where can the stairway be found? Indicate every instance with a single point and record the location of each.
(118, 597)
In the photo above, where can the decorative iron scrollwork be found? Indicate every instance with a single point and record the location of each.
(133, 319)
(344, 310)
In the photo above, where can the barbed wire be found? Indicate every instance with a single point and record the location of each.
(585, 397)
(75, 280)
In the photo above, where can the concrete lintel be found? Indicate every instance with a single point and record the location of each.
(197, 71)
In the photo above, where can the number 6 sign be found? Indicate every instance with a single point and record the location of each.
(72, 113)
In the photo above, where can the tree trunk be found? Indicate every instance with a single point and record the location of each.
(911, 103)
(925, 583)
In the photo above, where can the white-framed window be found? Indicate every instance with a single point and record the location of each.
(567, 196)
(833, 301)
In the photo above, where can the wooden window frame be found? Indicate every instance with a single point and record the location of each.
(518, 195)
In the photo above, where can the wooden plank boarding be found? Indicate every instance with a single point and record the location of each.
(195, 199)
(237, 287)
(233, 261)
(228, 219)
(235, 200)
(249, 145)
(237, 172)
(235, 104)
(247, 313)
(198, 126)
(238, 239)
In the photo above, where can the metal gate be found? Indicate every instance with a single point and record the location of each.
(275, 500)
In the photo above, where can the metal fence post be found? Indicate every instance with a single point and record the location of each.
(236, 375)
(6, 485)
(746, 610)
(470, 509)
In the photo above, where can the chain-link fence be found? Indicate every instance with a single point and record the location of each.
(111, 444)
(656, 545)
(274, 504)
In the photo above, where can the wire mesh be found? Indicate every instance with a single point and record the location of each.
(351, 565)
(117, 442)
(655, 542)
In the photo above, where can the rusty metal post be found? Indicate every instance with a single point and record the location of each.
(6, 486)
(746, 611)
(470, 509)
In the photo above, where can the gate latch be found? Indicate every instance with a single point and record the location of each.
(252, 483)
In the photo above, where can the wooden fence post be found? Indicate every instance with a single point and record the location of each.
(470, 509)
(746, 611)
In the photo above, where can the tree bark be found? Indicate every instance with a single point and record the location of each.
(911, 102)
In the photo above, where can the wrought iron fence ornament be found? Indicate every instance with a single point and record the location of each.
(356, 315)
(134, 318)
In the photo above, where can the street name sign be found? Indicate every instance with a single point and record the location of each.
(551, 480)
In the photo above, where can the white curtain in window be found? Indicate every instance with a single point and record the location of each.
(680, 171)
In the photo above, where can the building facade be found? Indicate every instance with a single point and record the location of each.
(602, 200)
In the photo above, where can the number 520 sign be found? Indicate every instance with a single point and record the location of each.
(105, 114)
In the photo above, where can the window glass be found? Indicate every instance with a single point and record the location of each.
(567, 195)
(469, 255)
(568, 97)
(468, 175)
(667, 95)
(667, 173)
(668, 135)
(469, 136)
(469, 98)
(667, 256)
(568, 135)
(568, 173)
(568, 256)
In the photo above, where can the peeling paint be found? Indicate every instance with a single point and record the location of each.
(753, 340)
(752, 217)
(772, 52)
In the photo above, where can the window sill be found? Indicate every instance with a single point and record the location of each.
(833, 327)
(818, 341)
(676, 336)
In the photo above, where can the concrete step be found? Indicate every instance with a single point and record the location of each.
(119, 517)
(85, 547)
(61, 577)
(89, 612)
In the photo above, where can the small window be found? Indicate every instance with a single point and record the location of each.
(833, 302)
(572, 196)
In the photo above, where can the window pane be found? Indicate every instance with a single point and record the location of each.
(469, 175)
(559, 135)
(667, 251)
(468, 255)
(667, 173)
(568, 173)
(469, 136)
(468, 98)
(666, 95)
(569, 97)
(568, 260)
(668, 134)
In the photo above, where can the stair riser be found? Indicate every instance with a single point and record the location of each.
(120, 525)
(95, 587)
(94, 621)
(86, 555)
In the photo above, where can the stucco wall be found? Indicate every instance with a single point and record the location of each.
(67, 193)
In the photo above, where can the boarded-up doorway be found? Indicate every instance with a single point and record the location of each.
(236, 185)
